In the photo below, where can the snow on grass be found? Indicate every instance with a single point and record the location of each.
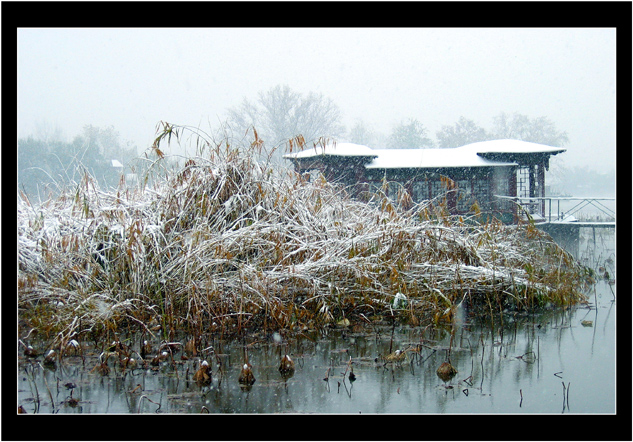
(228, 243)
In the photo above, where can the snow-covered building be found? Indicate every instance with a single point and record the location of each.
(478, 172)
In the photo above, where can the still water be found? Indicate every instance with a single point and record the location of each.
(556, 361)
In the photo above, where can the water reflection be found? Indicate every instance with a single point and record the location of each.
(550, 362)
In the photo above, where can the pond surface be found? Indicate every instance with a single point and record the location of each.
(557, 361)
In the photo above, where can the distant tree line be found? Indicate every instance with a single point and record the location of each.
(280, 114)
(411, 134)
(44, 163)
(583, 181)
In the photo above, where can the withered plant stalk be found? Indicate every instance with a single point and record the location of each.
(234, 244)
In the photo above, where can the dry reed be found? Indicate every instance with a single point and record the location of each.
(228, 243)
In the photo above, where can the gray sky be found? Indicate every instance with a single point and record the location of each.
(133, 78)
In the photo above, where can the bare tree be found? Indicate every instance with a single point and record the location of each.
(520, 127)
(409, 135)
(463, 132)
(280, 114)
(360, 133)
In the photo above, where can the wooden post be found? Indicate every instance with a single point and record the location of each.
(532, 192)
(541, 185)
(512, 191)
(493, 190)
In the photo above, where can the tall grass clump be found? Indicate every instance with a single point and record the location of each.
(228, 243)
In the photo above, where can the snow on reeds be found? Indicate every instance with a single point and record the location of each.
(227, 243)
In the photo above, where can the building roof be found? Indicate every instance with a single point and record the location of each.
(511, 146)
(430, 159)
(335, 149)
(481, 154)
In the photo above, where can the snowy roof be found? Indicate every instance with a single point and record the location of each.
(430, 158)
(336, 149)
(116, 163)
(470, 155)
(511, 146)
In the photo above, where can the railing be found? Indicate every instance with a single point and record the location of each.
(543, 206)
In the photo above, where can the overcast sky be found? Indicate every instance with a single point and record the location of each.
(133, 78)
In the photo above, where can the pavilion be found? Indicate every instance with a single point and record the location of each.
(477, 172)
